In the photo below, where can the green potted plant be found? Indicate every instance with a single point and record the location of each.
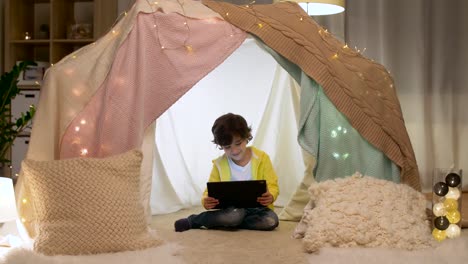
(11, 127)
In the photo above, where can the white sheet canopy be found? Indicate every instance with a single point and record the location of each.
(264, 94)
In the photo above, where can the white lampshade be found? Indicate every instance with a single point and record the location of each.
(7, 200)
(321, 7)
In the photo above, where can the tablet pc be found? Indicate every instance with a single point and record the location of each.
(239, 194)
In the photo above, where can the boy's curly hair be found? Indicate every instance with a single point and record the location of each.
(227, 126)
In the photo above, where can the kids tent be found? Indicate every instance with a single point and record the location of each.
(106, 98)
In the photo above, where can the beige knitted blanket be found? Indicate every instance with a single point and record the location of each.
(361, 89)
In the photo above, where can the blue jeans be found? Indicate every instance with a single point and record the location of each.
(262, 218)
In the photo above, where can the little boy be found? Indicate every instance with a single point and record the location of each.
(238, 163)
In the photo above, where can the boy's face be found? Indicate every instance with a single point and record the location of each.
(237, 150)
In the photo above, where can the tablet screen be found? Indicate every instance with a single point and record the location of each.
(239, 194)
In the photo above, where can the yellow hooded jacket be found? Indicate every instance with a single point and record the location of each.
(262, 169)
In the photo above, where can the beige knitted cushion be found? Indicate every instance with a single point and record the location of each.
(367, 212)
(88, 205)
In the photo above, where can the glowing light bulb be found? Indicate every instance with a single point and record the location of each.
(439, 235)
(227, 14)
(453, 216)
(189, 48)
(84, 152)
(335, 56)
(77, 128)
(154, 25)
(345, 46)
(301, 19)
(453, 193)
(451, 204)
(162, 47)
(260, 25)
(439, 209)
(453, 231)
(74, 56)
(24, 200)
(23, 219)
(83, 122)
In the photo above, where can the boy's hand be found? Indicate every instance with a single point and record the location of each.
(266, 199)
(210, 203)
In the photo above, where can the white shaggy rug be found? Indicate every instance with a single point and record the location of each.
(451, 251)
(244, 246)
(167, 253)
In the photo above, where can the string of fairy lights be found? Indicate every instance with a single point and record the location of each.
(155, 5)
(187, 46)
(340, 55)
(84, 151)
(326, 37)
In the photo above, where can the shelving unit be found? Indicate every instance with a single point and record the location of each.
(48, 25)
(45, 31)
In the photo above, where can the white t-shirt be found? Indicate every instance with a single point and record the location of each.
(239, 173)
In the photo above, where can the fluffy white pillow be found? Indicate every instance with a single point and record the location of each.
(88, 205)
(367, 212)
